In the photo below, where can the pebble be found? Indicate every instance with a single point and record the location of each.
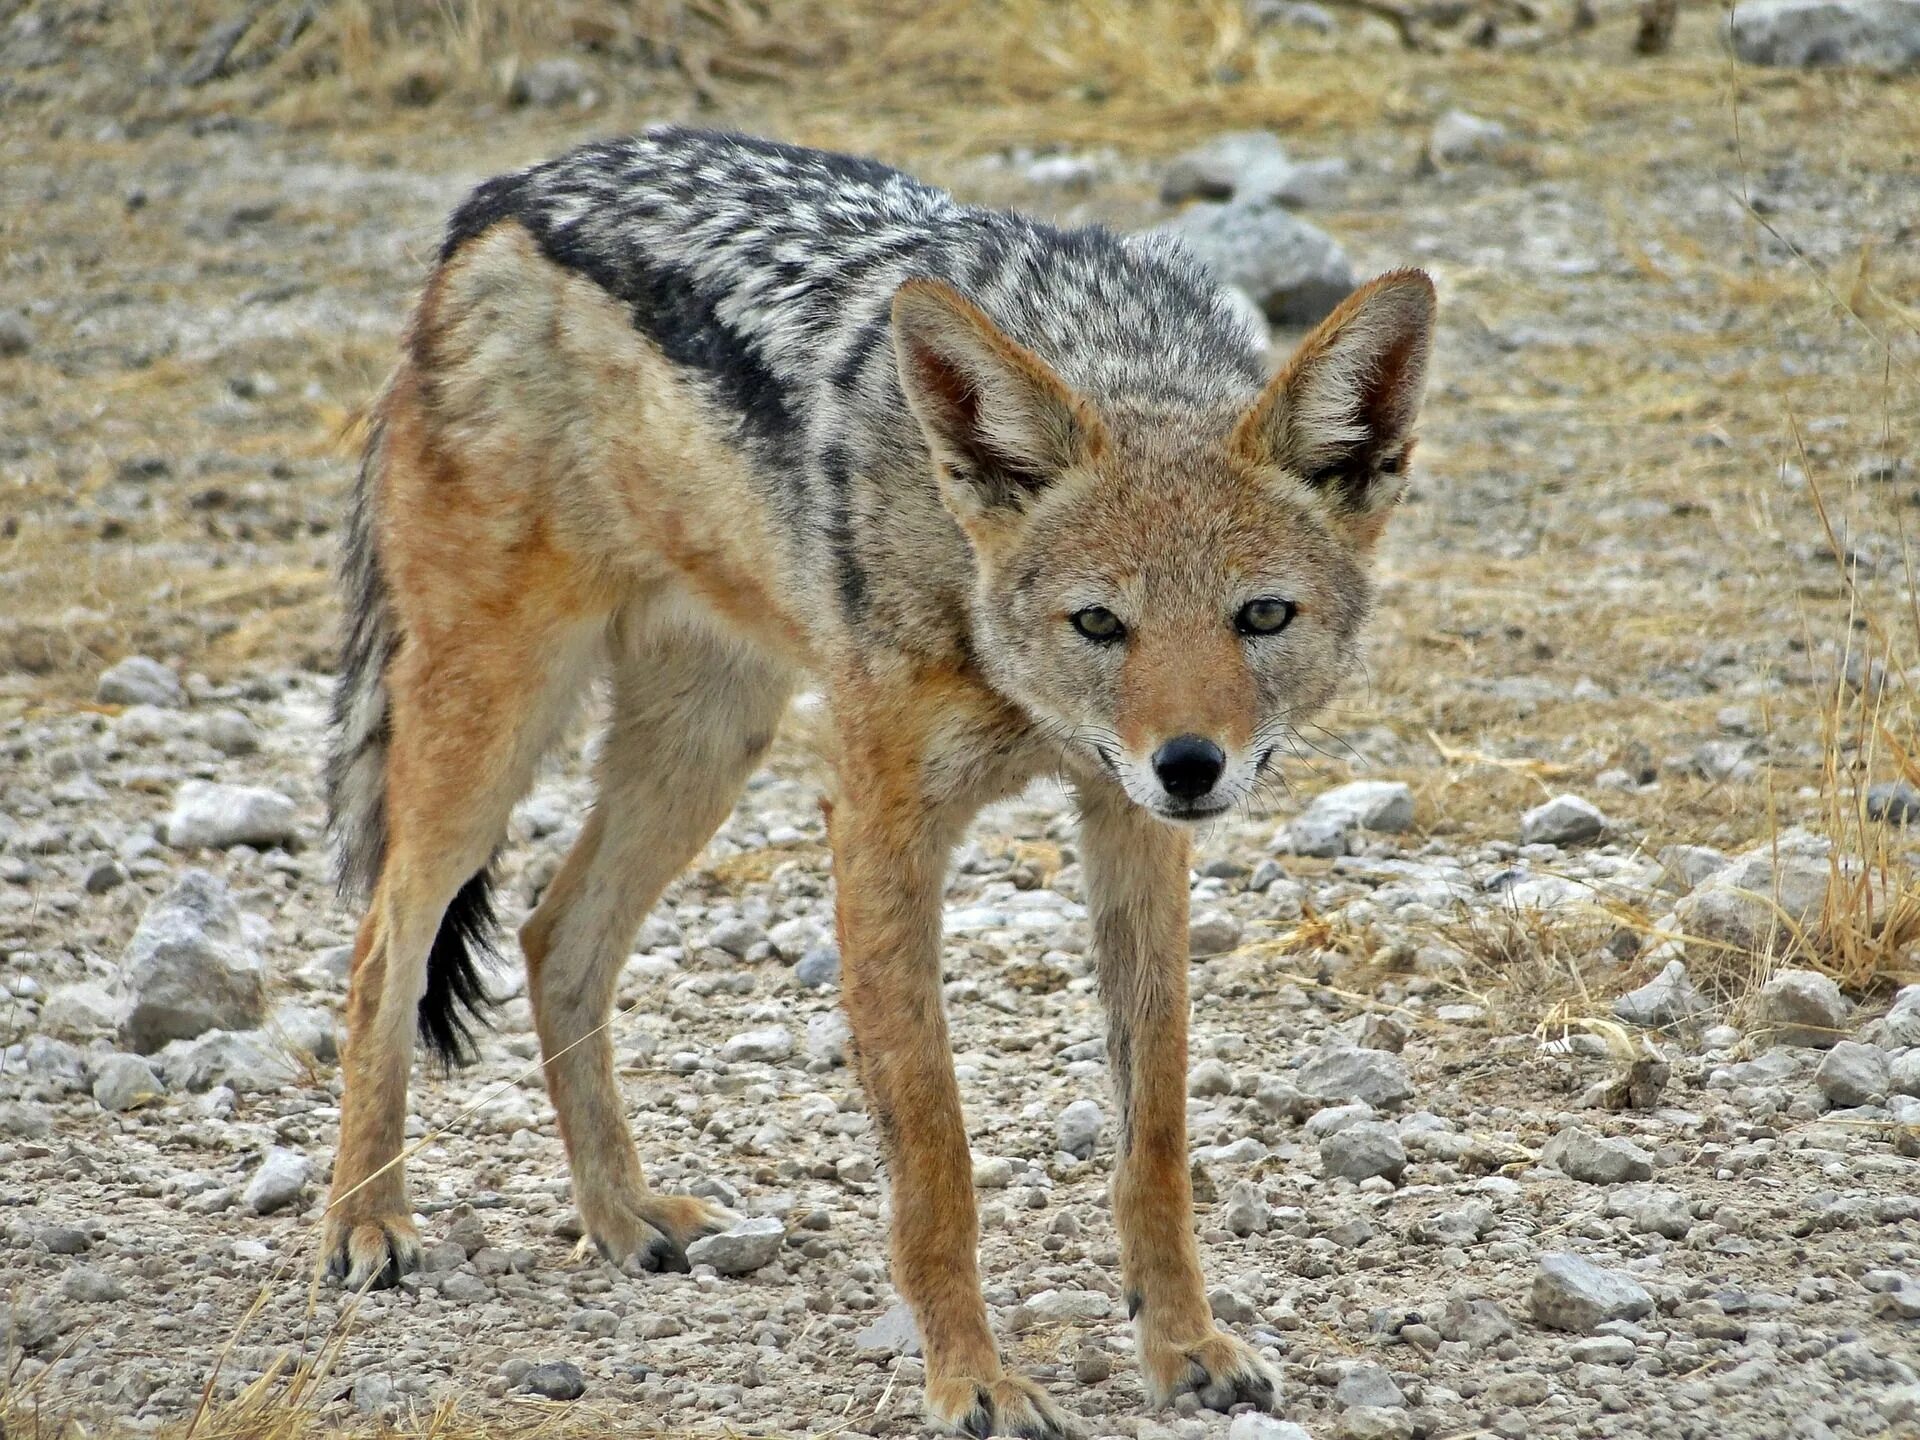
(769, 1046)
(1325, 828)
(1458, 136)
(1295, 272)
(1572, 1293)
(1563, 820)
(82, 1010)
(828, 1037)
(1651, 1210)
(1251, 166)
(1667, 999)
(140, 680)
(1077, 1129)
(1347, 1073)
(1854, 1074)
(279, 1182)
(188, 969)
(208, 815)
(1363, 1150)
(1373, 1422)
(742, 1248)
(1580, 1154)
(556, 1380)
(1367, 1384)
(819, 967)
(1602, 1350)
(1872, 34)
(1212, 932)
(123, 1082)
(1802, 1007)
(1252, 1425)
(1894, 802)
(550, 83)
(892, 1333)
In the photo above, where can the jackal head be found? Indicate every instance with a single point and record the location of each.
(1170, 590)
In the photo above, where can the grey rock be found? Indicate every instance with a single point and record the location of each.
(1212, 932)
(1346, 1073)
(769, 1046)
(893, 1333)
(556, 1380)
(188, 969)
(828, 1036)
(1334, 1118)
(1210, 1078)
(140, 680)
(250, 1062)
(123, 1082)
(231, 733)
(1077, 1129)
(215, 816)
(1252, 1425)
(1874, 34)
(1893, 803)
(81, 1011)
(16, 335)
(1563, 820)
(1458, 137)
(1375, 1422)
(1667, 999)
(1572, 1293)
(819, 967)
(279, 1182)
(1580, 1154)
(64, 1239)
(1295, 272)
(741, 1248)
(550, 83)
(92, 1285)
(1602, 1350)
(372, 1393)
(1368, 1384)
(1802, 1007)
(1325, 826)
(1364, 1150)
(1651, 1210)
(1685, 866)
(1252, 166)
(737, 937)
(1854, 1074)
(464, 1288)
(103, 876)
(307, 1030)
(1246, 1209)
(24, 1119)
(1903, 1075)
(1901, 1024)
(1759, 893)
(1065, 1307)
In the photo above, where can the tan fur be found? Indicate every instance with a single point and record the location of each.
(555, 498)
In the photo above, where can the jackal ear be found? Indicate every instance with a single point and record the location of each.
(1001, 424)
(1340, 415)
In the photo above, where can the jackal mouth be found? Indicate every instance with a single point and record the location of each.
(1195, 813)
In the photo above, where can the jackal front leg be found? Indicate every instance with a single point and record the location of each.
(1136, 872)
(889, 862)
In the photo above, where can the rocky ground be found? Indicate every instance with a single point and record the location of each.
(1524, 1100)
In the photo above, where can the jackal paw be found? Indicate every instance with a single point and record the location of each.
(1005, 1405)
(1219, 1369)
(652, 1230)
(370, 1252)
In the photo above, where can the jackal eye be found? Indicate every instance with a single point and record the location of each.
(1265, 616)
(1099, 624)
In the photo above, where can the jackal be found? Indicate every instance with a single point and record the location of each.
(706, 414)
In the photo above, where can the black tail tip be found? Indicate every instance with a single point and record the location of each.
(456, 1001)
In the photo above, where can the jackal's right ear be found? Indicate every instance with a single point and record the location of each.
(1002, 425)
(1340, 415)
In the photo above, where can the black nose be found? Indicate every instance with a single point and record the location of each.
(1189, 766)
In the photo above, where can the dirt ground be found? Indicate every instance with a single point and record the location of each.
(1659, 554)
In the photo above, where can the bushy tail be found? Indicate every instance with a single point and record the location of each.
(456, 997)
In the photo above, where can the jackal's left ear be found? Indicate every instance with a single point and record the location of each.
(1002, 425)
(1340, 415)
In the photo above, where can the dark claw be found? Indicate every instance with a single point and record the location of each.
(979, 1421)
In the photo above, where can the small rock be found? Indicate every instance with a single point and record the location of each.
(1667, 999)
(1687, 866)
(1873, 34)
(231, 733)
(819, 967)
(1209, 1078)
(1580, 1154)
(1250, 166)
(1458, 137)
(1652, 1211)
(1092, 1365)
(188, 969)
(103, 876)
(278, 1182)
(1294, 271)
(1802, 1007)
(1765, 891)
(1077, 1129)
(1602, 1350)
(1364, 1150)
(1212, 932)
(893, 1333)
(1246, 1209)
(139, 680)
(769, 1046)
(737, 938)
(215, 816)
(1563, 820)
(248, 1062)
(1324, 827)
(1347, 1073)
(1062, 1307)
(82, 1010)
(1893, 803)
(1571, 1293)
(125, 1081)
(741, 1248)
(64, 1239)
(372, 1393)
(828, 1036)
(16, 335)
(1368, 1384)
(550, 83)
(1854, 1074)
(1520, 1388)
(1252, 1425)
(92, 1285)
(556, 1380)
(1374, 1422)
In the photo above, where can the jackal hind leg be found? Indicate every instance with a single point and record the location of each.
(693, 713)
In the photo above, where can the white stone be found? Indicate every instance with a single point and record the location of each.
(188, 969)
(743, 1247)
(215, 816)
(278, 1182)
